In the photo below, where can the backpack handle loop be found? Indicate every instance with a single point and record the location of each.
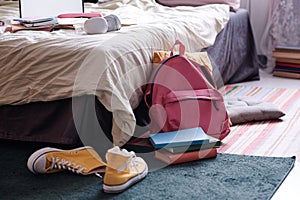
(181, 48)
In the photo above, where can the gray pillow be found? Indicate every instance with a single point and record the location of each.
(246, 109)
(234, 4)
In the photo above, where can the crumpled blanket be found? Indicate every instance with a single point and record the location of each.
(246, 109)
(47, 66)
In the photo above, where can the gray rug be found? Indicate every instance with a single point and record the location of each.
(226, 177)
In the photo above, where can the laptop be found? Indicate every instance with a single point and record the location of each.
(51, 8)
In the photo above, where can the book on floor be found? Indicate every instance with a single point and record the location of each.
(292, 55)
(213, 142)
(282, 48)
(184, 137)
(288, 60)
(283, 64)
(286, 74)
(291, 52)
(286, 69)
(170, 158)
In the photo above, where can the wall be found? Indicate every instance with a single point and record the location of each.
(274, 22)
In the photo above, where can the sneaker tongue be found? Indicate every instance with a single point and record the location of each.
(122, 167)
(126, 153)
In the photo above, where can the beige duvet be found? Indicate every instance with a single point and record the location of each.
(46, 66)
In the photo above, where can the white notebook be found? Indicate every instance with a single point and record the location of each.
(38, 8)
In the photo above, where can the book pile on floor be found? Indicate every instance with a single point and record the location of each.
(184, 145)
(287, 61)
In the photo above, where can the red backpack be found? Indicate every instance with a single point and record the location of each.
(181, 94)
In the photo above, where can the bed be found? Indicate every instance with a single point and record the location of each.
(69, 88)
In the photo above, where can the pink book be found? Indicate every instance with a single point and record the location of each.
(287, 64)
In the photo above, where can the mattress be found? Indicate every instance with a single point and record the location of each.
(39, 66)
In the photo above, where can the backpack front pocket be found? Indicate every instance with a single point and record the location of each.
(194, 108)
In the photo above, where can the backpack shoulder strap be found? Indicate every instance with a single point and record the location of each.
(205, 72)
(181, 48)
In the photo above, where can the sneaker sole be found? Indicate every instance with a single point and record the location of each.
(37, 154)
(122, 187)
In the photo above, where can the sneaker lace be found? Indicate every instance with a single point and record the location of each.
(130, 162)
(58, 163)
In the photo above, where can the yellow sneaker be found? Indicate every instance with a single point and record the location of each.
(123, 170)
(83, 160)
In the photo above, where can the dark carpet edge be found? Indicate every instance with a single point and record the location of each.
(285, 176)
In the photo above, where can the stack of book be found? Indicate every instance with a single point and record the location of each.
(287, 61)
(37, 21)
(184, 145)
(34, 23)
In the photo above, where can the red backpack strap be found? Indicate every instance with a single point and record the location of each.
(181, 48)
(146, 98)
(202, 69)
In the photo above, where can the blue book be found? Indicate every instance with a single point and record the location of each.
(185, 137)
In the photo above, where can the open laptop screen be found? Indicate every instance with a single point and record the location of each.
(38, 8)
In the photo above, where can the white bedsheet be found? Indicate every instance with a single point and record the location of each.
(46, 66)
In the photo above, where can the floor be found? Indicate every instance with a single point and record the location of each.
(290, 187)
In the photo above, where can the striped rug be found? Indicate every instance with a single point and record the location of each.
(267, 138)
